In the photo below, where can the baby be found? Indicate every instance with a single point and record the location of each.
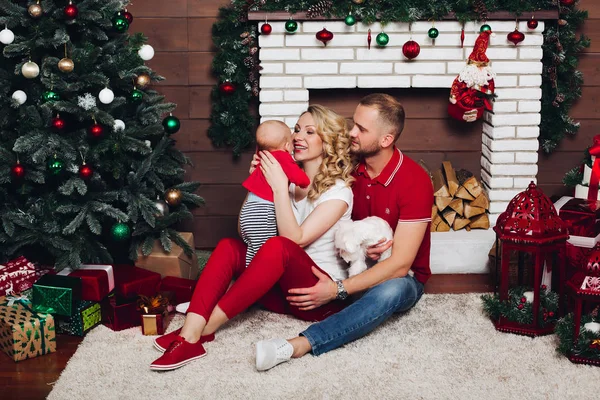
(257, 217)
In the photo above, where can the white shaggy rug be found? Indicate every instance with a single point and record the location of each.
(445, 348)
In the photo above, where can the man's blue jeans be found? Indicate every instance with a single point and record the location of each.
(375, 306)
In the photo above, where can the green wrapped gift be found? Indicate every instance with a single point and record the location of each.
(56, 294)
(87, 316)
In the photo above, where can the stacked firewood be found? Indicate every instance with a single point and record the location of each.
(460, 201)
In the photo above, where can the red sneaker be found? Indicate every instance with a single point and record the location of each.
(162, 342)
(178, 354)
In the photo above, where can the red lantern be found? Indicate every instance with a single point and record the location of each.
(71, 11)
(532, 23)
(227, 88)
(17, 171)
(567, 3)
(58, 123)
(266, 29)
(516, 37)
(411, 49)
(85, 172)
(96, 130)
(324, 36)
(531, 227)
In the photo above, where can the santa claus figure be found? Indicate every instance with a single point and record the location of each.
(473, 89)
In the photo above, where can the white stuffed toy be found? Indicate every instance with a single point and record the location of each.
(353, 238)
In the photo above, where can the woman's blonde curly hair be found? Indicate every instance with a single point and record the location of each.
(337, 162)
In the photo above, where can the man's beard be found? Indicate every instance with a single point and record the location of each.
(366, 151)
(473, 75)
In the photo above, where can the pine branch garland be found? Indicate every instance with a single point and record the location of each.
(517, 310)
(320, 8)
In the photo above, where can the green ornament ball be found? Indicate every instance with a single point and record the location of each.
(382, 39)
(56, 166)
(485, 27)
(50, 95)
(433, 33)
(171, 124)
(120, 232)
(350, 20)
(136, 96)
(120, 23)
(291, 26)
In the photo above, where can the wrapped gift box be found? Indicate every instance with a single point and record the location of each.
(97, 281)
(183, 288)
(56, 294)
(19, 275)
(130, 282)
(176, 263)
(23, 332)
(154, 318)
(88, 314)
(119, 316)
(583, 218)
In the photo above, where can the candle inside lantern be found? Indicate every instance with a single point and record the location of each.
(592, 327)
(528, 296)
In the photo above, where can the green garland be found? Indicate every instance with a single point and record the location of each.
(236, 60)
(515, 309)
(585, 347)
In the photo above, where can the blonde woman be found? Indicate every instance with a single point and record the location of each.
(303, 255)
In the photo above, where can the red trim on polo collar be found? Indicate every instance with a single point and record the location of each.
(389, 171)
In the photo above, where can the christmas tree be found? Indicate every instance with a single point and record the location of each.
(87, 160)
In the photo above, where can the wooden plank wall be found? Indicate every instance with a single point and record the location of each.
(180, 32)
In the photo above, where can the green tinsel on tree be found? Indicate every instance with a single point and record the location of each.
(574, 176)
(236, 60)
(585, 347)
(515, 309)
(66, 216)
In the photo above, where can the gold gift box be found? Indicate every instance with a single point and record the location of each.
(176, 263)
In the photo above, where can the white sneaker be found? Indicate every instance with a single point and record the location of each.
(182, 307)
(270, 353)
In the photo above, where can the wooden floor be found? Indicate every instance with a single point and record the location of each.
(33, 379)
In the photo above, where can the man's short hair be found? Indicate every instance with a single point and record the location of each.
(390, 110)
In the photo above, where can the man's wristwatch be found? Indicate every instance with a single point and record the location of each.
(341, 291)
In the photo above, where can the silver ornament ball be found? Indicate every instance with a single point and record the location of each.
(19, 96)
(162, 208)
(106, 96)
(146, 52)
(30, 70)
(6, 36)
(119, 125)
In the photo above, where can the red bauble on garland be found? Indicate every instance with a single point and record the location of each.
(516, 37)
(411, 49)
(227, 87)
(532, 23)
(17, 171)
(568, 3)
(266, 29)
(96, 130)
(85, 172)
(128, 16)
(58, 124)
(71, 11)
(324, 36)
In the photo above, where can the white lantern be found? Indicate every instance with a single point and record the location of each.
(146, 52)
(6, 36)
(106, 96)
(20, 96)
(119, 125)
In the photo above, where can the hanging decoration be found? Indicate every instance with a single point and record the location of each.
(227, 88)
(462, 36)
(19, 96)
(515, 36)
(6, 36)
(66, 65)
(433, 33)
(142, 80)
(120, 22)
(17, 171)
(106, 96)
(96, 130)
(162, 208)
(58, 124)
(30, 70)
(173, 197)
(350, 20)
(146, 52)
(266, 28)
(485, 28)
(532, 23)
(171, 124)
(324, 36)
(136, 95)
(50, 95)
(359, 2)
(369, 40)
(118, 125)
(120, 232)
(128, 16)
(71, 10)
(291, 26)
(382, 39)
(55, 165)
(85, 171)
(411, 49)
(567, 3)
(35, 10)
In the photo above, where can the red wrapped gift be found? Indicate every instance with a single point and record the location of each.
(19, 275)
(576, 257)
(131, 282)
(97, 280)
(119, 316)
(583, 219)
(183, 288)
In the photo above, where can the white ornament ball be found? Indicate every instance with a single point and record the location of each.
(146, 52)
(106, 96)
(20, 96)
(6, 36)
(30, 70)
(119, 125)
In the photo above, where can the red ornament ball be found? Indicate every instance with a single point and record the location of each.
(71, 11)
(85, 172)
(567, 2)
(324, 36)
(515, 37)
(523, 299)
(227, 88)
(58, 123)
(96, 130)
(551, 314)
(128, 16)
(411, 49)
(532, 23)
(544, 287)
(266, 29)
(520, 306)
(17, 171)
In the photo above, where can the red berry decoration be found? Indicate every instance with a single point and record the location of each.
(58, 124)
(532, 23)
(523, 299)
(128, 16)
(227, 88)
(520, 306)
(96, 130)
(411, 49)
(544, 287)
(17, 171)
(515, 36)
(85, 172)
(266, 29)
(324, 36)
(71, 11)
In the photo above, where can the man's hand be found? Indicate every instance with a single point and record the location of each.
(310, 298)
(374, 252)
(470, 116)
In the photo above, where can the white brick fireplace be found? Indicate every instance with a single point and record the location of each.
(295, 63)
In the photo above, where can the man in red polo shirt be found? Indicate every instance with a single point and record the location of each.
(391, 186)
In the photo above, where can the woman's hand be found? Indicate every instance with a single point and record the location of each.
(320, 294)
(374, 252)
(273, 172)
(254, 163)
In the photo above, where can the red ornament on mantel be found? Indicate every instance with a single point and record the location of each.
(227, 87)
(516, 37)
(324, 36)
(411, 49)
(532, 23)
(71, 11)
(266, 29)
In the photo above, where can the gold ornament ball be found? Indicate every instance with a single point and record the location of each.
(142, 80)
(30, 70)
(173, 197)
(35, 10)
(358, 1)
(66, 65)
